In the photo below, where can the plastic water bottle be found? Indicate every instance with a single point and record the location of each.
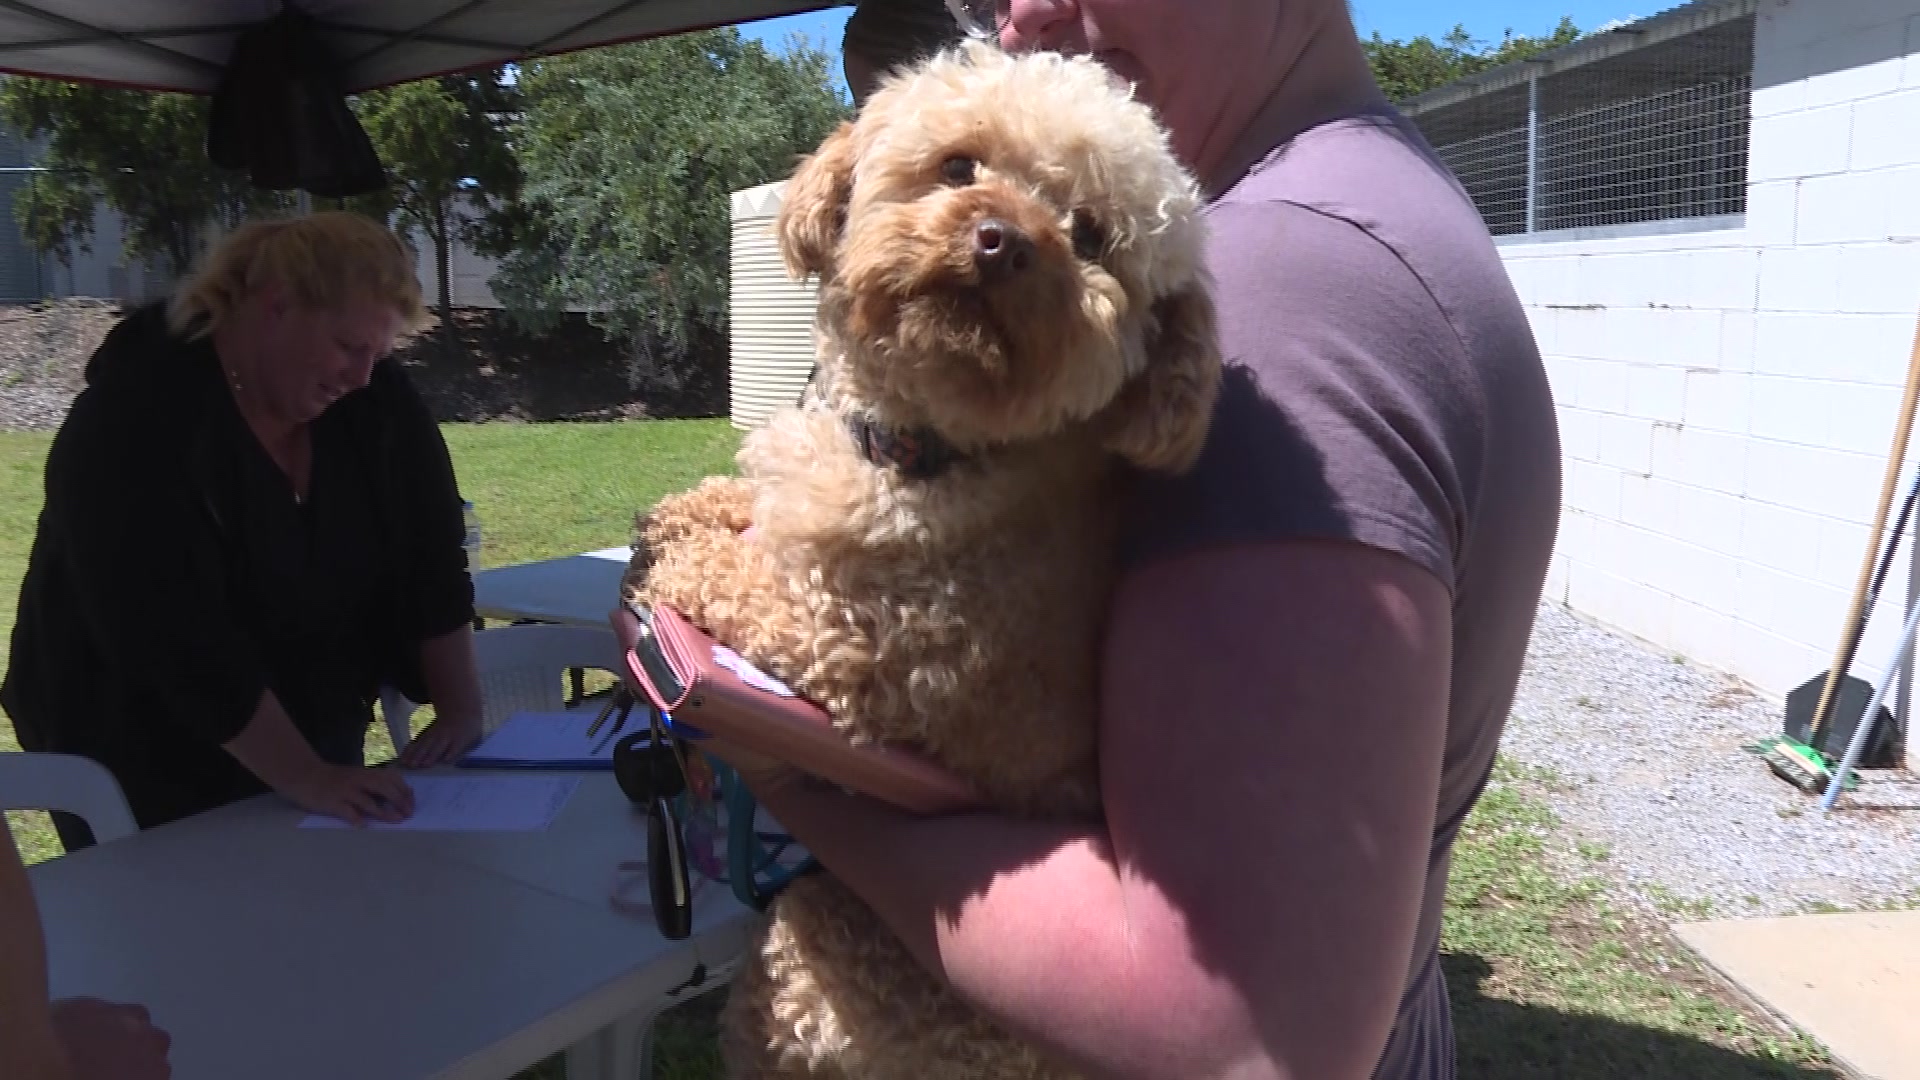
(472, 539)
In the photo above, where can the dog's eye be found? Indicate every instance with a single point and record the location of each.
(957, 170)
(1089, 239)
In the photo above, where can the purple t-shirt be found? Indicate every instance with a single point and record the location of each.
(1382, 386)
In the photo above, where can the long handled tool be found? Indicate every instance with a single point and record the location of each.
(1865, 724)
(1798, 759)
(1809, 737)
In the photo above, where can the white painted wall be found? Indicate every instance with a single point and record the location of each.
(1728, 395)
(106, 271)
(470, 273)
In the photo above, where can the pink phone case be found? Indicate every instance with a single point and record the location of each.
(723, 695)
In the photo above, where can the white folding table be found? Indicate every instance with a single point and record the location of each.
(270, 950)
(578, 589)
(575, 590)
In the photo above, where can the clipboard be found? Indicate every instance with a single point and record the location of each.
(542, 740)
(705, 688)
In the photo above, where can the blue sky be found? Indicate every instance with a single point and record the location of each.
(1484, 19)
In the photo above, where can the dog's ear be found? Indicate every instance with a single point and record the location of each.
(813, 209)
(1160, 419)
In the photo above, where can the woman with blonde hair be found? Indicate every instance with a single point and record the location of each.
(251, 524)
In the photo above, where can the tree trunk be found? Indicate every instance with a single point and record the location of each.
(180, 251)
(443, 265)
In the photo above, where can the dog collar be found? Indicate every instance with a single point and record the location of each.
(917, 452)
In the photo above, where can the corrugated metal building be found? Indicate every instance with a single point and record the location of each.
(23, 274)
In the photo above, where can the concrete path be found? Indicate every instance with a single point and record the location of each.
(1850, 980)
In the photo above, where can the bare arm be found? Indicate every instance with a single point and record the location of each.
(1270, 761)
(274, 750)
(28, 1048)
(447, 664)
(76, 1038)
(450, 672)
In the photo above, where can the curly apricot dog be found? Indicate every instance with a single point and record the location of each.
(1013, 315)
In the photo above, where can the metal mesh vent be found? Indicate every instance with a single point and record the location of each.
(1484, 141)
(1654, 134)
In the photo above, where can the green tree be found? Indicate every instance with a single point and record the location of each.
(142, 154)
(450, 169)
(1406, 69)
(629, 154)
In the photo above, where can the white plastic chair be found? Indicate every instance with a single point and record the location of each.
(521, 668)
(33, 780)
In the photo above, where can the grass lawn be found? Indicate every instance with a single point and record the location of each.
(1548, 979)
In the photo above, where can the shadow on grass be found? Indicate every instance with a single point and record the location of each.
(1497, 1039)
(1506, 1040)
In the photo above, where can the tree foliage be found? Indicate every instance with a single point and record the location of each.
(451, 171)
(142, 154)
(629, 155)
(1405, 69)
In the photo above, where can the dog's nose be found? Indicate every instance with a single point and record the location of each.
(999, 247)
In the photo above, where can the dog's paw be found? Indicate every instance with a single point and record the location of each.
(727, 501)
(716, 502)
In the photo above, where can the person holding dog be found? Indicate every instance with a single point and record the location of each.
(1310, 659)
(251, 524)
(879, 37)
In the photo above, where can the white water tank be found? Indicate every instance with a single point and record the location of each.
(770, 315)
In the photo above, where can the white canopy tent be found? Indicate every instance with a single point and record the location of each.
(184, 45)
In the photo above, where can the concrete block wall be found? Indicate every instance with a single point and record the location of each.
(1728, 395)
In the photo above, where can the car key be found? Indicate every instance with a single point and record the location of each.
(647, 767)
(668, 884)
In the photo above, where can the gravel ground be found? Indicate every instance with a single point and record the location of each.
(43, 351)
(1643, 758)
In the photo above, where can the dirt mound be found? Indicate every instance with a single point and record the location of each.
(494, 373)
(569, 373)
(43, 356)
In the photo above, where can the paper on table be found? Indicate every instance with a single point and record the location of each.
(473, 804)
(550, 739)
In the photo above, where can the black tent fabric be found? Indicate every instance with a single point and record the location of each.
(280, 74)
(184, 45)
(278, 113)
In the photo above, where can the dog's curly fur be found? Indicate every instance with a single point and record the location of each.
(957, 614)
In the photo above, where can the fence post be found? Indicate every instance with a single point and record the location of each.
(1533, 143)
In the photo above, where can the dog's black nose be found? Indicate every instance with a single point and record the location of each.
(999, 247)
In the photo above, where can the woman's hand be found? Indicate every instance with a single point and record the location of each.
(353, 793)
(274, 750)
(105, 1040)
(446, 739)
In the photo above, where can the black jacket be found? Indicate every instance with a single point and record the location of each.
(173, 577)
